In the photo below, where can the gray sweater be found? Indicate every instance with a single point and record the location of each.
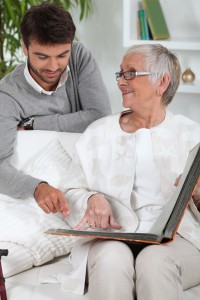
(71, 108)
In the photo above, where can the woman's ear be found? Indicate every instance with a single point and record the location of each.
(25, 50)
(163, 84)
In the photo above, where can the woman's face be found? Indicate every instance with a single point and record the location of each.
(137, 93)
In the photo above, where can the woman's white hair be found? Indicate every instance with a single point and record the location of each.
(159, 60)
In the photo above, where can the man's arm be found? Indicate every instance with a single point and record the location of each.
(15, 183)
(12, 182)
(19, 185)
(86, 92)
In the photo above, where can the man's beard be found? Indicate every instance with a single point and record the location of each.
(39, 73)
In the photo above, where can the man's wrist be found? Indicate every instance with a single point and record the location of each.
(27, 124)
(44, 182)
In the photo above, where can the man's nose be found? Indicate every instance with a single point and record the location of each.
(52, 64)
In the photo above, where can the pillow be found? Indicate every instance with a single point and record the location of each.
(23, 223)
(30, 142)
(50, 164)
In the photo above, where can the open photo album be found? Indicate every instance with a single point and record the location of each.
(166, 226)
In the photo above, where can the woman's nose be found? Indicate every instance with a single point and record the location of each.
(122, 81)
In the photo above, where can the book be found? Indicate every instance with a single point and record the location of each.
(166, 226)
(156, 19)
(144, 28)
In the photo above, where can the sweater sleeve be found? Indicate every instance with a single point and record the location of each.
(12, 182)
(87, 95)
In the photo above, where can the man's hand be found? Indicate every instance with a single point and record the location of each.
(98, 214)
(51, 200)
(20, 128)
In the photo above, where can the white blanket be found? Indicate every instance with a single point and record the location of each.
(23, 223)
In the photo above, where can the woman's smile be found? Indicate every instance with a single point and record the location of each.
(127, 91)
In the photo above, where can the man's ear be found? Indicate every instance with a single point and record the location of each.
(25, 50)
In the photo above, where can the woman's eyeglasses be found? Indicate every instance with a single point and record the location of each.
(129, 75)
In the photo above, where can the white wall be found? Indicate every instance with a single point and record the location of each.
(102, 33)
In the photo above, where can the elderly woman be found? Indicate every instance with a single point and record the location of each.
(124, 170)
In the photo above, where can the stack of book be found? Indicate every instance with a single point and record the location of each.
(151, 21)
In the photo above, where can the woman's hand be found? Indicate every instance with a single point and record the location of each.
(196, 195)
(177, 180)
(98, 214)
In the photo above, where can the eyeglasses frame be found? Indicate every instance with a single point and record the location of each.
(134, 73)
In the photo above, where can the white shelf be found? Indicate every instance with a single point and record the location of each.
(175, 44)
(184, 28)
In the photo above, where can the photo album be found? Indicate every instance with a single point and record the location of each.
(166, 226)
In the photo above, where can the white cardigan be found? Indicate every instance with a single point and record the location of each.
(104, 161)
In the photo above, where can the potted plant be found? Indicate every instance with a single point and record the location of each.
(11, 13)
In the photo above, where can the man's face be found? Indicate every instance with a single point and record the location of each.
(47, 62)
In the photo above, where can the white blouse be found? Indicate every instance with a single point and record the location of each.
(146, 198)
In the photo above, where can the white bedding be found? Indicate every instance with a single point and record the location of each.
(23, 223)
(30, 284)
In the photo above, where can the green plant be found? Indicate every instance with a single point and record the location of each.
(11, 13)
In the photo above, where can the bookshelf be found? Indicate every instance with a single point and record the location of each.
(182, 18)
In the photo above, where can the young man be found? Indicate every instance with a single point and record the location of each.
(59, 88)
